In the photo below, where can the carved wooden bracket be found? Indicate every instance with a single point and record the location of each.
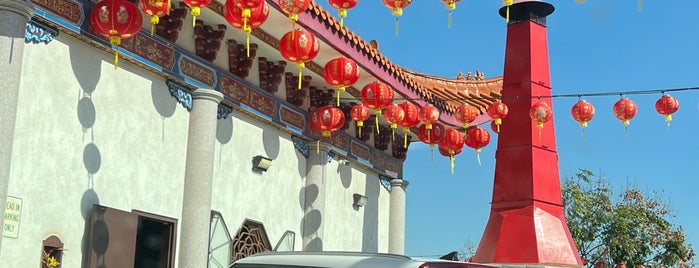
(399, 152)
(238, 61)
(293, 94)
(346, 108)
(366, 130)
(270, 74)
(321, 97)
(170, 26)
(208, 40)
(383, 138)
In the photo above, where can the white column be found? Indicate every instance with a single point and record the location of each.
(314, 204)
(396, 217)
(14, 15)
(199, 171)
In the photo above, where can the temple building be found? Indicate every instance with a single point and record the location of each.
(190, 151)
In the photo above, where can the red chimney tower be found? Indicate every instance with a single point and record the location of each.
(527, 223)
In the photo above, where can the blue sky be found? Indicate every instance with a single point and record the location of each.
(598, 46)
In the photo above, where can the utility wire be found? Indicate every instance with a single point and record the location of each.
(577, 95)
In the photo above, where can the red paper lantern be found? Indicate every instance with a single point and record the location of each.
(428, 115)
(494, 127)
(394, 115)
(451, 6)
(583, 112)
(341, 73)
(477, 138)
(667, 105)
(377, 95)
(327, 119)
(154, 9)
(432, 136)
(359, 114)
(411, 119)
(242, 16)
(196, 6)
(466, 114)
(397, 7)
(445, 152)
(453, 141)
(294, 7)
(342, 6)
(497, 110)
(116, 20)
(299, 46)
(540, 113)
(625, 110)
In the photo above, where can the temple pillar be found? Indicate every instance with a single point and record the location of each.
(14, 15)
(199, 171)
(527, 222)
(396, 217)
(314, 202)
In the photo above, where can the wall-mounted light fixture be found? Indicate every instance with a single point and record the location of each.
(261, 163)
(359, 200)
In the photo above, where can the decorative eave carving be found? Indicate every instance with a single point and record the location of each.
(270, 74)
(238, 61)
(383, 138)
(208, 40)
(346, 108)
(294, 95)
(399, 151)
(364, 133)
(321, 97)
(170, 26)
(223, 111)
(181, 93)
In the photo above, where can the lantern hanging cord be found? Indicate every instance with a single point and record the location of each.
(574, 95)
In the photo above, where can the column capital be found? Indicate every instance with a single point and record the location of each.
(206, 94)
(21, 7)
(399, 183)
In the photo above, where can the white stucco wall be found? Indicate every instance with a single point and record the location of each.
(88, 134)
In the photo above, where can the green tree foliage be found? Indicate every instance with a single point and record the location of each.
(632, 229)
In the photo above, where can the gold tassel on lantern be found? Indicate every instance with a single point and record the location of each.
(116, 42)
(301, 66)
(376, 119)
(339, 90)
(451, 5)
(360, 125)
(342, 13)
(397, 12)
(196, 11)
(153, 21)
(405, 137)
(451, 158)
(246, 28)
(478, 155)
(507, 3)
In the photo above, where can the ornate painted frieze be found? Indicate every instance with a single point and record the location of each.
(337, 139)
(67, 9)
(151, 50)
(197, 71)
(238, 92)
(360, 151)
(292, 117)
(300, 145)
(388, 163)
(39, 32)
(181, 94)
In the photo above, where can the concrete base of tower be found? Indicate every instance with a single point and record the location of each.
(528, 235)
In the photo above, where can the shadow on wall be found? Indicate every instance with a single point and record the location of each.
(163, 102)
(89, 199)
(370, 224)
(87, 70)
(311, 222)
(224, 134)
(270, 141)
(87, 116)
(344, 168)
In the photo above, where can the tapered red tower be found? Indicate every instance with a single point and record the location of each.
(527, 223)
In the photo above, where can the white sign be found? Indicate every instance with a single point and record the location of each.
(13, 211)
